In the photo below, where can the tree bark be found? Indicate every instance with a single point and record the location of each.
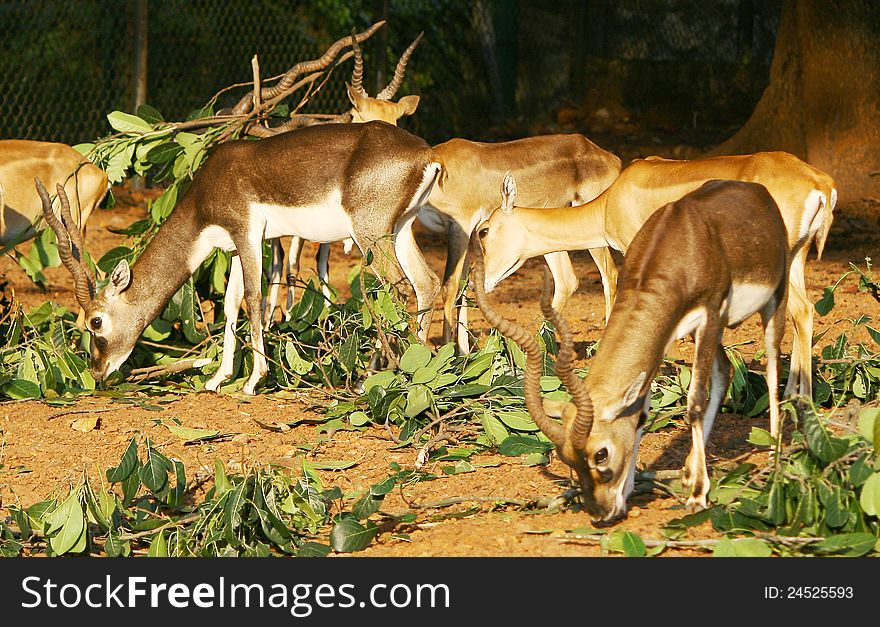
(823, 101)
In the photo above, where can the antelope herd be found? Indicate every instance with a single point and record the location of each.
(707, 244)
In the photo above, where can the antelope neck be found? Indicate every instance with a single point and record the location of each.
(165, 265)
(565, 228)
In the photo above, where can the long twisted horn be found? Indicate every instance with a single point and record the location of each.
(84, 289)
(75, 232)
(357, 75)
(304, 67)
(394, 85)
(580, 427)
(534, 358)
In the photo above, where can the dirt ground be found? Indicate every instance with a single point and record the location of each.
(41, 452)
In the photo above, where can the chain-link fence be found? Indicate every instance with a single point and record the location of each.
(485, 67)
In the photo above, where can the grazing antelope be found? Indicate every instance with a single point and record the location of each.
(20, 162)
(700, 264)
(364, 109)
(805, 195)
(322, 183)
(553, 170)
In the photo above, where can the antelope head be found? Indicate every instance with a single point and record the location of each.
(597, 442)
(366, 108)
(503, 239)
(110, 346)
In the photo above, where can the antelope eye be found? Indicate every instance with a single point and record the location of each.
(601, 456)
(484, 232)
(95, 323)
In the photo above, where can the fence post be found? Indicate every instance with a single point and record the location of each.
(141, 24)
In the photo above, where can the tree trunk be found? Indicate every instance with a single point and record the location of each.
(823, 101)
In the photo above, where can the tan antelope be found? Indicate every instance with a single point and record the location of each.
(21, 161)
(700, 264)
(321, 183)
(805, 195)
(365, 108)
(553, 170)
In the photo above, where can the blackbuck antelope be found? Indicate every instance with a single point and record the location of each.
(20, 162)
(365, 108)
(553, 170)
(703, 263)
(805, 195)
(321, 183)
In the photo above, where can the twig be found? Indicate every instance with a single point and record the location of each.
(172, 523)
(255, 67)
(138, 374)
(98, 410)
(383, 339)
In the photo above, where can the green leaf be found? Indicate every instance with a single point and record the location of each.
(518, 420)
(478, 365)
(222, 485)
(418, 399)
(825, 446)
(349, 536)
(874, 333)
(128, 123)
(626, 542)
(760, 437)
(149, 114)
(870, 496)
(366, 506)
(313, 549)
(70, 521)
(425, 375)
(333, 464)
(516, 445)
(154, 472)
(869, 425)
(164, 204)
(112, 257)
(20, 389)
(847, 544)
(127, 464)
(383, 379)
(358, 419)
(742, 547)
(191, 435)
(415, 357)
(826, 303)
(159, 546)
(494, 428)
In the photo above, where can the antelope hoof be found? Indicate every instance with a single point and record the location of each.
(696, 504)
(214, 383)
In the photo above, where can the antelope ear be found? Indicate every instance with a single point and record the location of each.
(634, 392)
(508, 192)
(407, 105)
(119, 279)
(559, 409)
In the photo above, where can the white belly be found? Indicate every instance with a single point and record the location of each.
(745, 299)
(323, 222)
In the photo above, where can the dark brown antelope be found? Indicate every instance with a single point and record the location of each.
(365, 108)
(321, 183)
(699, 265)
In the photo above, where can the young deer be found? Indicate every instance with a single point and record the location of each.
(364, 109)
(805, 195)
(321, 183)
(701, 264)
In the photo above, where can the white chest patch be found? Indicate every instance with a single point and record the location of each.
(689, 323)
(745, 299)
(209, 239)
(323, 222)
